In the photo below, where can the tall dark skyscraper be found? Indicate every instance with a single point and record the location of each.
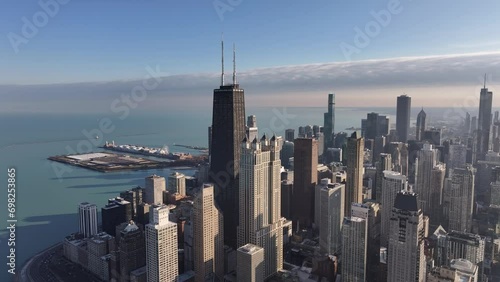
(305, 177)
(403, 113)
(228, 130)
(484, 122)
(421, 117)
(354, 181)
(329, 122)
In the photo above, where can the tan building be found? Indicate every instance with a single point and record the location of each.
(177, 183)
(260, 221)
(155, 185)
(208, 236)
(161, 246)
(250, 263)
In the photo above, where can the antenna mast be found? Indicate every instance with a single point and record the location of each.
(234, 64)
(484, 81)
(222, 75)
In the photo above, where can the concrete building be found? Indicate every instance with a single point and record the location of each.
(250, 263)
(87, 215)
(208, 236)
(384, 163)
(392, 184)
(406, 241)
(290, 135)
(161, 246)
(354, 249)
(330, 205)
(459, 199)
(370, 211)
(460, 270)
(177, 183)
(260, 221)
(153, 193)
(354, 181)
(457, 156)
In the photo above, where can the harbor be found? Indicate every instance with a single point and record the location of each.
(163, 152)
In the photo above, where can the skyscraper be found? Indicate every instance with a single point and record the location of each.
(331, 208)
(155, 185)
(484, 122)
(228, 130)
(384, 163)
(161, 246)
(459, 198)
(329, 122)
(354, 249)
(87, 214)
(250, 263)
(117, 211)
(403, 113)
(252, 131)
(467, 122)
(420, 124)
(457, 156)
(290, 135)
(132, 250)
(406, 241)
(426, 160)
(438, 174)
(392, 184)
(260, 218)
(375, 125)
(354, 181)
(305, 176)
(177, 183)
(208, 237)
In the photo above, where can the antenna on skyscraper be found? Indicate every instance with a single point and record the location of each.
(222, 75)
(484, 81)
(234, 64)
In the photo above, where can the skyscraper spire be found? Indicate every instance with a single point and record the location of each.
(234, 64)
(484, 81)
(222, 75)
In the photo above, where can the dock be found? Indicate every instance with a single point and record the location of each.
(111, 162)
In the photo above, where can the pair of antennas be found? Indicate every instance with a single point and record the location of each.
(234, 63)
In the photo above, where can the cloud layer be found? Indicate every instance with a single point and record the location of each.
(358, 83)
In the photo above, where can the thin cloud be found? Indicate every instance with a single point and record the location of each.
(356, 77)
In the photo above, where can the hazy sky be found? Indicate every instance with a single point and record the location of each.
(295, 50)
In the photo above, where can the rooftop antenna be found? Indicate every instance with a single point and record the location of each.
(222, 75)
(484, 81)
(234, 64)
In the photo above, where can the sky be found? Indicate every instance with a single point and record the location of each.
(374, 50)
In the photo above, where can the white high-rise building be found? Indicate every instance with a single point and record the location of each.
(370, 211)
(392, 184)
(177, 183)
(330, 206)
(87, 215)
(260, 221)
(459, 198)
(250, 263)
(208, 236)
(155, 185)
(406, 258)
(354, 249)
(161, 246)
